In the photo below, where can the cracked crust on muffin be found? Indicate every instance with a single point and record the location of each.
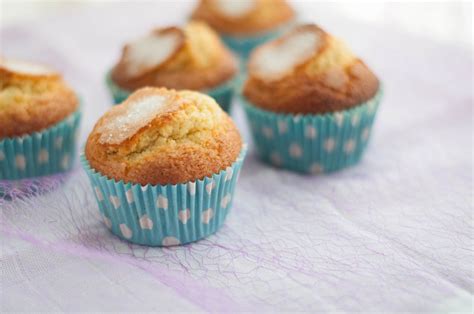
(197, 60)
(32, 97)
(161, 136)
(326, 77)
(244, 18)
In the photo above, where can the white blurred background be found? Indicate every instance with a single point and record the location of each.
(449, 21)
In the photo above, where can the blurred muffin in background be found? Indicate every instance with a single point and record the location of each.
(245, 24)
(310, 101)
(32, 98)
(308, 71)
(39, 117)
(190, 57)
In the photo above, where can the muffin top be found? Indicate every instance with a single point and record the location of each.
(192, 57)
(243, 17)
(308, 71)
(161, 136)
(32, 97)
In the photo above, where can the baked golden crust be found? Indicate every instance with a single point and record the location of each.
(262, 16)
(187, 139)
(30, 102)
(199, 61)
(329, 79)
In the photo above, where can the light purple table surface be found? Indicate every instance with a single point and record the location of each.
(392, 234)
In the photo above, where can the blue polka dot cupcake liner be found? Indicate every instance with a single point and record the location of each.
(165, 215)
(243, 46)
(312, 143)
(41, 153)
(223, 94)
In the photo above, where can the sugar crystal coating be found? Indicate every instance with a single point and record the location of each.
(128, 119)
(23, 67)
(150, 51)
(235, 8)
(274, 61)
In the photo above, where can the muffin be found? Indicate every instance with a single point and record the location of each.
(310, 101)
(192, 57)
(245, 24)
(163, 165)
(39, 118)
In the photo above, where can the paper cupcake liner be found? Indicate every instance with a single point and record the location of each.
(41, 153)
(223, 94)
(165, 215)
(312, 143)
(243, 46)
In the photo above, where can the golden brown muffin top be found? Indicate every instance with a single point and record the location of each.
(308, 71)
(191, 57)
(161, 136)
(243, 17)
(32, 97)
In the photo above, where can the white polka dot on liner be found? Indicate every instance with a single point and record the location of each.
(125, 230)
(316, 168)
(371, 105)
(115, 200)
(162, 202)
(98, 193)
(295, 150)
(71, 121)
(339, 117)
(349, 146)
(58, 142)
(355, 120)
(310, 132)
(329, 145)
(170, 241)
(207, 215)
(297, 119)
(146, 222)
(282, 127)
(210, 186)
(184, 215)
(129, 196)
(20, 162)
(43, 156)
(65, 162)
(365, 134)
(107, 222)
(192, 188)
(229, 173)
(267, 132)
(226, 200)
